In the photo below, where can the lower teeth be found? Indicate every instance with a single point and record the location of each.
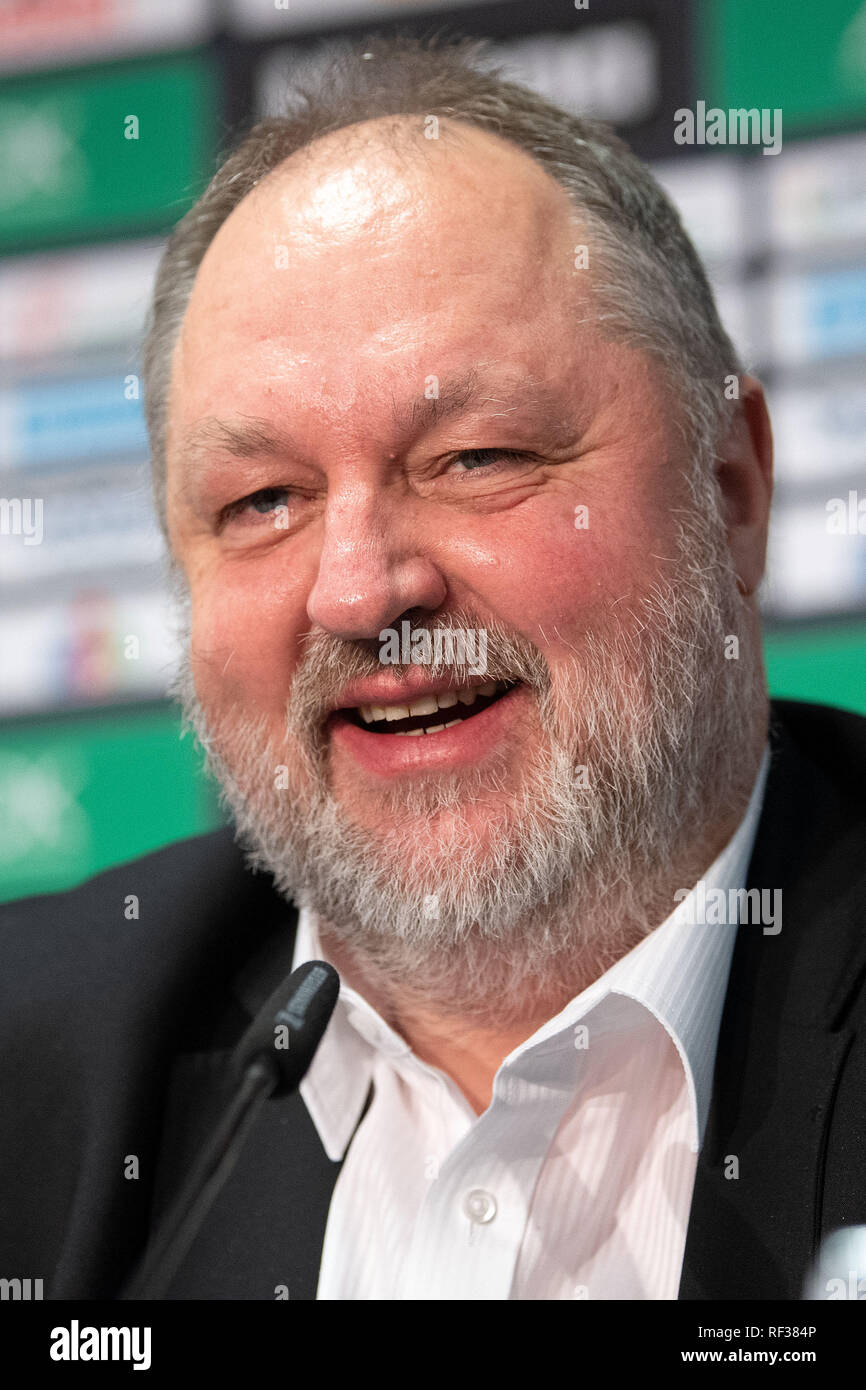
(434, 729)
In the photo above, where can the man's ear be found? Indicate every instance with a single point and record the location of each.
(744, 468)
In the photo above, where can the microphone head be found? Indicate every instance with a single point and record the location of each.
(290, 1025)
(839, 1272)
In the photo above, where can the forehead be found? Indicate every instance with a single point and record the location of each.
(376, 247)
(383, 180)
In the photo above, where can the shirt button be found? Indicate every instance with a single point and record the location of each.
(479, 1206)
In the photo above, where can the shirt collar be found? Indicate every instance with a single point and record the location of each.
(679, 973)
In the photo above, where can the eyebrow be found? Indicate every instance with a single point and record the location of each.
(250, 437)
(452, 396)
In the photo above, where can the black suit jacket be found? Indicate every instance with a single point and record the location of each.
(116, 1034)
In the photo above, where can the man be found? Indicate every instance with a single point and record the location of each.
(433, 360)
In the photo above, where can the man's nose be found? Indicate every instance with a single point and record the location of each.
(372, 567)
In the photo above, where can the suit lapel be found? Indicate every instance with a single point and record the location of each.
(262, 1239)
(757, 1209)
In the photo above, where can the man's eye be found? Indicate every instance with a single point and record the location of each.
(476, 460)
(263, 502)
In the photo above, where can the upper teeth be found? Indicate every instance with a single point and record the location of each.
(429, 704)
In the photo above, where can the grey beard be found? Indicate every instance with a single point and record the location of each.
(573, 868)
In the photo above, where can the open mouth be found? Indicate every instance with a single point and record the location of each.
(430, 714)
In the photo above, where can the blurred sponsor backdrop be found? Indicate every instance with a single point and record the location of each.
(112, 116)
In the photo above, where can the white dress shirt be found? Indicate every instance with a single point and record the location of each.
(576, 1181)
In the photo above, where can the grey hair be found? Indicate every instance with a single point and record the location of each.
(647, 278)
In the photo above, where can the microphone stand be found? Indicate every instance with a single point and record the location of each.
(303, 1004)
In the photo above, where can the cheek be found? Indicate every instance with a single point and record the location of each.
(563, 563)
(244, 645)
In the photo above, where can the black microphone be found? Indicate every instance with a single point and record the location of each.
(271, 1059)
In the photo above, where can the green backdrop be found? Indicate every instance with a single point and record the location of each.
(808, 59)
